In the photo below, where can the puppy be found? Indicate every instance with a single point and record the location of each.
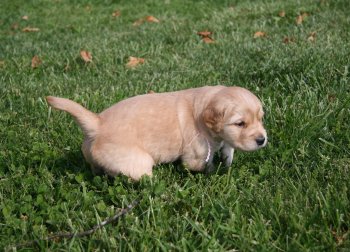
(135, 134)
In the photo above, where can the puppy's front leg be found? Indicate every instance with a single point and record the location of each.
(198, 156)
(210, 168)
(227, 155)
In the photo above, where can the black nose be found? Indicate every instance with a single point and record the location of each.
(260, 140)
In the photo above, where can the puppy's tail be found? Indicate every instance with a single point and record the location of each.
(88, 121)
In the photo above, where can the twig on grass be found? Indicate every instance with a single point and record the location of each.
(79, 234)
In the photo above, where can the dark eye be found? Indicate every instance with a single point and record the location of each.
(240, 124)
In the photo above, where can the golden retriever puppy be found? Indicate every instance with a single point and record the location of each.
(135, 134)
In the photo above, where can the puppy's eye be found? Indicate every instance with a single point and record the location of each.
(240, 124)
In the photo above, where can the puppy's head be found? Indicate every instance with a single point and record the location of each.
(235, 116)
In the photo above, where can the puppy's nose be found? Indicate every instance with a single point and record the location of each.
(260, 140)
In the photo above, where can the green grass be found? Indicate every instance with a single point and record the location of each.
(291, 196)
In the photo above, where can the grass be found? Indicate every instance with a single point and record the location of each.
(291, 196)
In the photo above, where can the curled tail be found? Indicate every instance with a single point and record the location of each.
(88, 121)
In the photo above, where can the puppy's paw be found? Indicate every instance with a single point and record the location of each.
(210, 168)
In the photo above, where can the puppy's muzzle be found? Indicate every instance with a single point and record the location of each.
(260, 141)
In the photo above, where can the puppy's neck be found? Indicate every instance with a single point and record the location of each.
(209, 148)
(209, 151)
(213, 138)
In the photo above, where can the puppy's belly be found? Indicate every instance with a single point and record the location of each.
(166, 155)
(162, 142)
(164, 149)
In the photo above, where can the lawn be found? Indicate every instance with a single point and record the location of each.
(292, 195)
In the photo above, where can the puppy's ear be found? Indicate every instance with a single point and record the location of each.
(213, 118)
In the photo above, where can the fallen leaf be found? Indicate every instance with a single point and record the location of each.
(282, 13)
(288, 40)
(66, 67)
(331, 98)
(204, 33)
(149, 19)
(14, 26)
(25, 17)
(259, 34)
(208, 40)
(116, 13)
(340, 238)
(86, 56)
(54, 238)
(30, 29)
(36, 61)
(152, 19)
(206, 37)
(312, 37)
(134, 61)
(300, 19)
(138, 22)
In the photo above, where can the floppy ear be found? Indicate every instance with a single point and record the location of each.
(213, 118)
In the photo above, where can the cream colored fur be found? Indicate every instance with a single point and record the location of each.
(135, 134)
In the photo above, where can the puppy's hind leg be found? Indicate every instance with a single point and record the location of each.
(129, 161)
(139, 164)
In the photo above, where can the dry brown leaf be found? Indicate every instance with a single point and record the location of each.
(288, 40)
(86, 56)
(25, 17)
(340, 238)
(331, 98)
(259, 34)
(312, 37)
(139, 22)
(300, 19)
(36, 61)
(116, 13)
(66, 67)
(208, 40)
(282, 13)
(134, 61)
(206, 37)
(204, 33)
(14, 26)
(30, 29)
(151, 19)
